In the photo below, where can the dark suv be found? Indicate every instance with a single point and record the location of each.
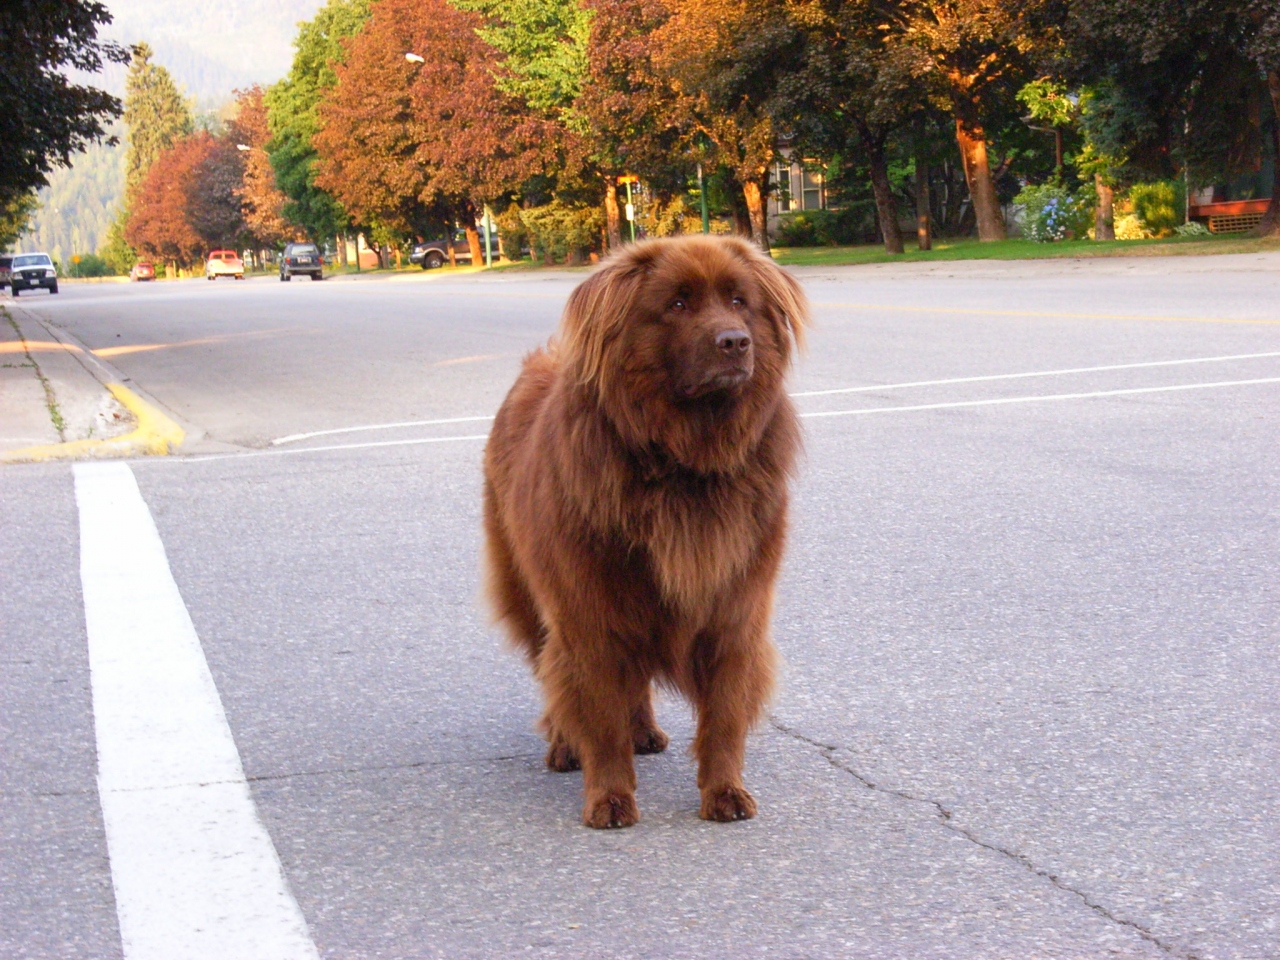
(435, 253)
(301, 258)
(6, 268)
(31, 270)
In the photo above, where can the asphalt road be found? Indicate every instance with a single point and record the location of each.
(1029, 708)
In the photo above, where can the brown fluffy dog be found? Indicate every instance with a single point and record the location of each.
(636, 507)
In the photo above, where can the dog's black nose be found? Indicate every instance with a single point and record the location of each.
(733, 342)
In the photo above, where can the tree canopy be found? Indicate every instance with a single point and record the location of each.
(46, 117)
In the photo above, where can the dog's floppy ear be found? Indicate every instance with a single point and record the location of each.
(782, 290)
(597, 311)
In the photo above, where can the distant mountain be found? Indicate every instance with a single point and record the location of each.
(78, 205)
(211, 48)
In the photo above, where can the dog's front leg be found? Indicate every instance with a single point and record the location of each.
(588, 703)
(735, 677)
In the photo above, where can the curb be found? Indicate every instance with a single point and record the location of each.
(155, 435)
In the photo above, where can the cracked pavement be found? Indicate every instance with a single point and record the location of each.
(1028, 709)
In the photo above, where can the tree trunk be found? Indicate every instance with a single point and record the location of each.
(886, 208)
(753, 191)
(448, 245)
(1271, 219)
(612, 215)
(474, 244)
(341, 243)
(384, 256)
(1104, 227)
(972, 140)
(924, 232)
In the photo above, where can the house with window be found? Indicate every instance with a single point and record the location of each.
(796, 186)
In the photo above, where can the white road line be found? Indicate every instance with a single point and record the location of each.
(1058, 396)
(195, 874)
(1038, 373)
(294, 437)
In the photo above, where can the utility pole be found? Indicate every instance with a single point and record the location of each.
(486, 222)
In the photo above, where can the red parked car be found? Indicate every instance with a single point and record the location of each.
(142, 270)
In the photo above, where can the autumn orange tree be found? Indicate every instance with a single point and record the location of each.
(405, 146)
(261, 201)
(728, 57)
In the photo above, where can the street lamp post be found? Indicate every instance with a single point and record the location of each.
(629, 179)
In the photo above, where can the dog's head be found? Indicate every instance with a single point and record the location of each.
(686, 341)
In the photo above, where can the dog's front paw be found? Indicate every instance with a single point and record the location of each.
(725, 804)
(649, 740)
(611, 810)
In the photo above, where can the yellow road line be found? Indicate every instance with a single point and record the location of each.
(155, 435)
(969, 311)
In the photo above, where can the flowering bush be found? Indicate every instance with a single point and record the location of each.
(1052, 212)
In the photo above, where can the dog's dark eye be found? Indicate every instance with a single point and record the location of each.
(678, 305)
(739, 302)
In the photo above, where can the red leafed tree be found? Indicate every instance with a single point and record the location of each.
(261, 202)
(188, 202)
(633, 117)
(405, 145)
(158, 224)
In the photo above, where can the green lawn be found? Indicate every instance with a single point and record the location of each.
(969, 249)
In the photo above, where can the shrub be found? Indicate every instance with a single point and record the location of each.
(675, 217)
(558, 231)
(1160, 205)
(1129, 227)
(92, 265)
(1051, 212)
(514, 234)
(826, 228)
(1192, 228)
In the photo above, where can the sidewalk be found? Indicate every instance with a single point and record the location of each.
(48, 394)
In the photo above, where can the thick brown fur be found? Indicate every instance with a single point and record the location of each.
(635, 510)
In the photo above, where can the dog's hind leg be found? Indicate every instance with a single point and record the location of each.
(513, 605)
(646, 735)
(560, 754)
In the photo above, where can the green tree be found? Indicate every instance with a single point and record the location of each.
(14, 216)
(45, 117)
(155, 112)
(115, 250)
(544, 47)
(1180, 87)
(850, 94)
(292, 106)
